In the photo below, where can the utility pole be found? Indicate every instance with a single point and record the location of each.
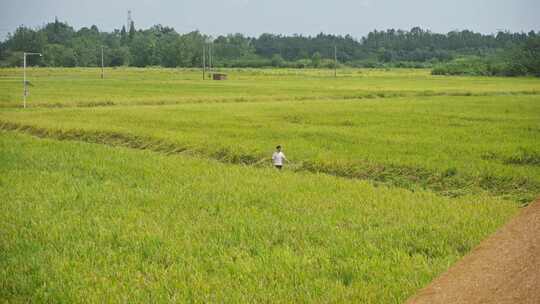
(25, 90)
(102, 65)
(335, 61)
(25, 83)
(210, 47)
(203, 61)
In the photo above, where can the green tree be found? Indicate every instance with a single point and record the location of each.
(160, 45)
(277, 60)
(316, 60)
(233, 47)
(56, 55)
(531, 55)
(132, 31)
(123, 36)
(87, 47)
(142, 49)
(26, 40)
(525, 59)
(119, 56)
(58, 32)
(189, 49)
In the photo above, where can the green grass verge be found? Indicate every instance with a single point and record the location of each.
(89, 223)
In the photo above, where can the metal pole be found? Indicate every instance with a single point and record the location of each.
(102, 72)
(203, 61)
(25, 86)
(335, 61)
(24, 80)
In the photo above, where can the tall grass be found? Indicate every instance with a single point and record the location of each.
(155, 186)
(437, 143)
(88, 223)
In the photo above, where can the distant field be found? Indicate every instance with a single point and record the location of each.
(83, 87)
(87, 223)
(154, 185)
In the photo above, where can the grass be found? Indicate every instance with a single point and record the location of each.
(130, 86)
(89, 223)
(155, 186)
(438, 143)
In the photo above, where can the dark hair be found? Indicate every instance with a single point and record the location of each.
(278, 147)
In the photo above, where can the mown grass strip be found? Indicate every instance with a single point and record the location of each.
(449, 183)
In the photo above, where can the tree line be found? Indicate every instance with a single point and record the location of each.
(159, 45)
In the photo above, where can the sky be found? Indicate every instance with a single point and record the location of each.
(253, 17)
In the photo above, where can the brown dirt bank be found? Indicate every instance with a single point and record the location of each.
(504, 268)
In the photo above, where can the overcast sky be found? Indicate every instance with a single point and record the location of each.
(253, 17)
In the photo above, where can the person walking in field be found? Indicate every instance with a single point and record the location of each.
(278, 158)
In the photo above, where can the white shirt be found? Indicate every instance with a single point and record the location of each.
(278, 158)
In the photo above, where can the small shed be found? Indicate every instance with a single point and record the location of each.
(219, 76)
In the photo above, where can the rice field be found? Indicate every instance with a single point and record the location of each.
(56, 87)
(153, 185)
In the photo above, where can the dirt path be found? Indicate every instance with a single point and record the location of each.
(504, 268)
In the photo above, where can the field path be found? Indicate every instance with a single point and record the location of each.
(504, 268)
